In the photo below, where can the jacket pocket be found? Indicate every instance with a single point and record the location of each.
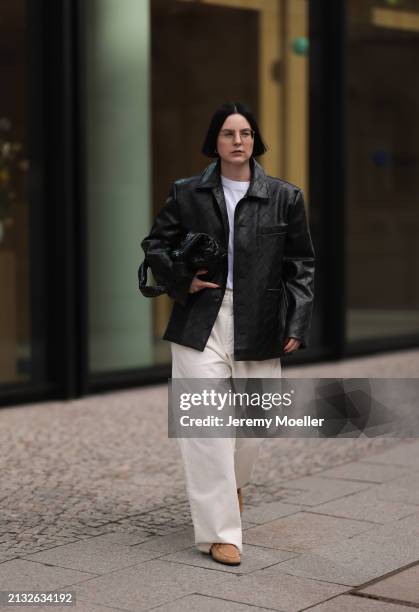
(274, 229)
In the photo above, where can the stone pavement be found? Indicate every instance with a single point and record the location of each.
(93, 501)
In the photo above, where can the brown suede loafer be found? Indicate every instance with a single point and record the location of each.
(228, 554)
(240, 496)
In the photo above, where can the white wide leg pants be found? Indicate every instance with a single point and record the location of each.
(216, 467)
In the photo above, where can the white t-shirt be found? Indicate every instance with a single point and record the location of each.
(233, 192)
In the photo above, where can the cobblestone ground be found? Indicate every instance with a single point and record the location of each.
(71, 470)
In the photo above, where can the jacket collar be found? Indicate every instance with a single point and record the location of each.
(258, 188)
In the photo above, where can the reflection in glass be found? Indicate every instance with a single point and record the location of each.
(15, 327)
(382, 135)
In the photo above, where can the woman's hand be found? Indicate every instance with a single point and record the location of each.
(197, 284)
(291, 345)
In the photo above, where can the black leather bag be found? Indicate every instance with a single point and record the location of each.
(197, 250)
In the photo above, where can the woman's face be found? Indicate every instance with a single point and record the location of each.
(235, 140)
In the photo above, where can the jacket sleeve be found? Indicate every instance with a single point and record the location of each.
(165, 234)
(298, 272)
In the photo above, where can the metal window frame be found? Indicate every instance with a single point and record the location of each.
(57, 222)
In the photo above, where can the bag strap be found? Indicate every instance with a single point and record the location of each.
(148, 290)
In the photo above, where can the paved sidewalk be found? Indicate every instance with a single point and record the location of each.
(93, 502)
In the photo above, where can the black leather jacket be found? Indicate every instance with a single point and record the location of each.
(273, 275)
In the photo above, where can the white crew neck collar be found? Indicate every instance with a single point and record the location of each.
(233, 184)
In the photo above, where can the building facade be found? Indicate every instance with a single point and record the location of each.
(104, 103)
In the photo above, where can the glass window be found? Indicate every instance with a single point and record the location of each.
(16, 350)
(382, 104)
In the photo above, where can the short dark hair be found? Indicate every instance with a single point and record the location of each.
(217, 120)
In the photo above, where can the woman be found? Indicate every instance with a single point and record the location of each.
(262, 223)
